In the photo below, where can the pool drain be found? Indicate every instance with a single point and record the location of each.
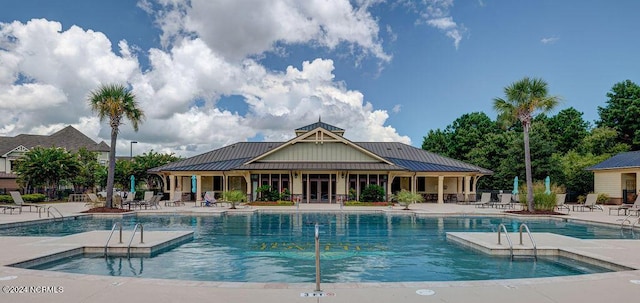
(425, 292)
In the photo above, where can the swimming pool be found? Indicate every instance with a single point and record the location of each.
(355, 247)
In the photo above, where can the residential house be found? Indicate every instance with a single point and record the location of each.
(618, 177)
(69, 138)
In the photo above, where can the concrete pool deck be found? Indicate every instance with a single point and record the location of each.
(622, 286)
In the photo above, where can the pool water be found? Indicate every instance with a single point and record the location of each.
(273, 247)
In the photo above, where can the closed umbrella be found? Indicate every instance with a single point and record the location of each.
(515, 186)
(133, 184)
(547, 185)
(193, 183)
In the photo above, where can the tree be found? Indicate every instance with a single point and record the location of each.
(114, 102)
(622, 112)
(148, 161)
(460, 137)
(568, 129)
(437, 142)
(88, 167)
(46, 167)
(467, 132)
(602, 141)
(525, 98)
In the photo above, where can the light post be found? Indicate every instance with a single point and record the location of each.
(131, 150)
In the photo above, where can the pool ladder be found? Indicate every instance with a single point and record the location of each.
(627, 220)
(502, 227)
(49, 212)
(113, 229)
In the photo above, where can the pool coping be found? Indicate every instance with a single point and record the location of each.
(613, 286)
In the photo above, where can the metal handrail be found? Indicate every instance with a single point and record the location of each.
(52, 214)
(626, 219)
(135, 228)
(317, 238)
(535, 249)
(502, 227)
(106, 245)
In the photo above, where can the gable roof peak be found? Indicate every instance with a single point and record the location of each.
(305, 129)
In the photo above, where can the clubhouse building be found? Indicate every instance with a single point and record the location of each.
(319, 165)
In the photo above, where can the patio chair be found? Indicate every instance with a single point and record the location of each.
(177, 199)
(210, 199)
(131, 201)
(17, 199)
(627, 208)
(560, 199)
(505, 202)
(589, 203)
(485, 200)
(460, 198)
(94, 201)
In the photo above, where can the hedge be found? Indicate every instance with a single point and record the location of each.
(30, 198)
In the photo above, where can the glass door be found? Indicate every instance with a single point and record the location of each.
(317, 187)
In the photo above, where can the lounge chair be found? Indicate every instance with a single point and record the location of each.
(485, 200)
(560, 199)
(17, 199)
(460, 198)
(177, 199)
(152, 201)
(10, 207)
(130, 200)
(589, 203)
(627, 208)
(94, 201)
(210, 199)
(505, 201)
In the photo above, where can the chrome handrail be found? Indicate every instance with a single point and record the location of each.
(106, 245)
(535, 249)
(135, 228)
(503, 227)
(52, 214)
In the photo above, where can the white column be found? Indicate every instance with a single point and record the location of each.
(172, 187)
(467, 187)
(440, 189)
(198, 189)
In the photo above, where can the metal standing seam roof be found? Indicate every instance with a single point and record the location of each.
(621, 160)
(326, 126)
(405, 157)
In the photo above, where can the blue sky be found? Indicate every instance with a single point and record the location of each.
(210, 73)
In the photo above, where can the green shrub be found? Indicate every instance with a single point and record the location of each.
(602, 198)
(372, 193)
(33, 198)
(266, 193)
(405, 198)
(541, 200)
(29, 198)
(285, 195)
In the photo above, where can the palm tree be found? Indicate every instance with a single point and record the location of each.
(524, 99)
(115, 101)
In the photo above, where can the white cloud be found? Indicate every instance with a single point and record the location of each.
(47, 73)
(238, 29)
(549, 40)
(396, 108)
(436, 13)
